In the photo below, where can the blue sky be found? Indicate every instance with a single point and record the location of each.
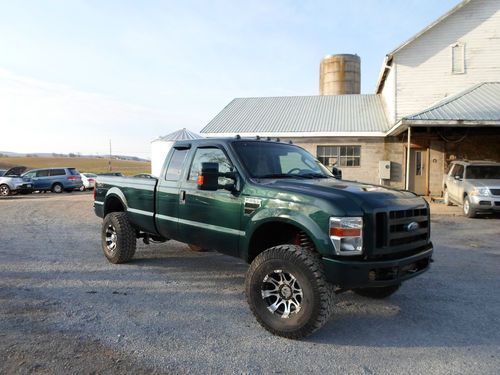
(74, 74)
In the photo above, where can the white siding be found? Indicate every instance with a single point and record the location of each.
(424, 67)
(388, 95)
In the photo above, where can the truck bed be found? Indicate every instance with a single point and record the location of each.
(138, 195)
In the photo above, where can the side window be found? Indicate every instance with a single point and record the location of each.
(175, 166)
(30, 174)
(210, 155)
(458, 58)
(42, 173)
(57, 172)
(458, 171)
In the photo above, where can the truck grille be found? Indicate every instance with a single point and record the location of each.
(495, 191)
(401, 231)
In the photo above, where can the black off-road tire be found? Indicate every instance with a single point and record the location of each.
(126, 241)
(377, 292)
(57, 188)
(318, 295)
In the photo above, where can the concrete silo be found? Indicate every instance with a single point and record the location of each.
(340, 74)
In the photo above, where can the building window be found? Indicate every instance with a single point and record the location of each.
(341, 156)
(458, 58)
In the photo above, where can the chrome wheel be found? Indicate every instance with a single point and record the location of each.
(111, 238)
(466, 206)
(4, 190)
(282, 293)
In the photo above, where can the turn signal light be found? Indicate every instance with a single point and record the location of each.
(345, 232)
(201, 180)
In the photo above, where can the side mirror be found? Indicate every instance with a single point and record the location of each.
(208, 179)
(457, 177)
(337, 173)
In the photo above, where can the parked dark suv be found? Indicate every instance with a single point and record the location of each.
(55, 179)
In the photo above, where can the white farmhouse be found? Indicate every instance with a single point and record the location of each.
(437, 99)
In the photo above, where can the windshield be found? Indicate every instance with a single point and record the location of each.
(483, 172)
(279, 160)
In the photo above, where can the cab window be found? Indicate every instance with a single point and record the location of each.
(210, 155)
(175, 166)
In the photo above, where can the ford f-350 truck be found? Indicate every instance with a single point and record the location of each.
(305, 234)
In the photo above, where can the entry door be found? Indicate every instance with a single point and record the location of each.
(418, 171)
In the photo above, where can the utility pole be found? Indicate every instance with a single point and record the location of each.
(110, 154)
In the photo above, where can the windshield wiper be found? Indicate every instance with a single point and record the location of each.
(281, 175)
(313, 175)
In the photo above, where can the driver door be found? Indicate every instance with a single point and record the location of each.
(210, 219)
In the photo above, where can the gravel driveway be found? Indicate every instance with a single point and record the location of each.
(65, 309)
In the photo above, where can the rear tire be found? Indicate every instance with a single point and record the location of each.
(118, 238)
(287, 291)
(377, 292)
(468, 210)
(57, 188)
(4, 190)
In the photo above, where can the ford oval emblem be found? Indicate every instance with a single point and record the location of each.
(413, 226)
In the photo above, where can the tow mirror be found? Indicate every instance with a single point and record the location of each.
(208, 179)
(337, 173)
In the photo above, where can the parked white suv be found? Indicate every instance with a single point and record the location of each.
(475, 185)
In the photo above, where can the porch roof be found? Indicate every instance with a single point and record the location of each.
(474, 107)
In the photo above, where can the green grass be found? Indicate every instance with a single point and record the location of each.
(94, 165)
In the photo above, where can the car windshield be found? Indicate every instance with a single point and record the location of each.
(279, 160)
(483, 172)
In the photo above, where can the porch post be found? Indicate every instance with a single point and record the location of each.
(408, 147)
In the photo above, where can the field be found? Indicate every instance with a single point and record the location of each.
(95, 165)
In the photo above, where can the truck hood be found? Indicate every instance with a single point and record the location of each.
(344, 193)
(484, 183)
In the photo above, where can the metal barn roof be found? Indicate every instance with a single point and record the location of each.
(332, 115)
(478, 106)
(478, 103)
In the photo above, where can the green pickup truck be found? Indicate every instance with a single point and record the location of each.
(306, 234)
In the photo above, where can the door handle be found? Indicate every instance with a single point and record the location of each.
(182, 197)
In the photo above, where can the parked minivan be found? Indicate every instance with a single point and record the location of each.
(56, 180)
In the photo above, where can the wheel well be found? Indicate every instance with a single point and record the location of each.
(113, 204)
(276, 233)
(56, 183)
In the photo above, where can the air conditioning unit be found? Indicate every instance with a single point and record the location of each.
(384, 169)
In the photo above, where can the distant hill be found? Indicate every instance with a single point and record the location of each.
(83, 164)
(72, 155)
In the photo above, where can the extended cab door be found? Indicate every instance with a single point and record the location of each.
(210, 219)
(167, 194)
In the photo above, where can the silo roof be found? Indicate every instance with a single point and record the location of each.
(335, 115)
(179, 135)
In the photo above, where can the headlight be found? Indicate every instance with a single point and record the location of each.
(480, 191)
(346, 234)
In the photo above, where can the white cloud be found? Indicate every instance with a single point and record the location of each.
(40, 116)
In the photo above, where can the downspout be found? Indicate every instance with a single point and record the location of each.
(408, 159)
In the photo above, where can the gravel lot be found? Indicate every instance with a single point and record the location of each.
(65, 309)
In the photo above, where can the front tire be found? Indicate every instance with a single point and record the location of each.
(377, 292)
(118, 238)
(287, 291)
(468, 210)
(4, 190)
